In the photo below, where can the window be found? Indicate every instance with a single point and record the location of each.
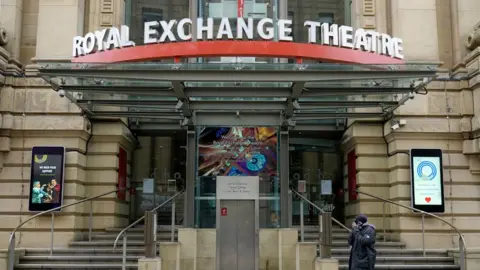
(325, 18)
(150, 15)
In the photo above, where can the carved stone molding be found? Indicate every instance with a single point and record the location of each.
(3, 37)
(473, 40)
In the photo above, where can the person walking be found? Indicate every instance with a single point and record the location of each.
(362, 241)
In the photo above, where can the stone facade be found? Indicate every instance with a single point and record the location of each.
(436, 31)
(445, 118)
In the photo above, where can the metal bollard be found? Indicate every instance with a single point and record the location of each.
(150, 234)
(11, 253)
(90, 222)
(52, 228)
(302, 230)
(172, 229)
(326, 235)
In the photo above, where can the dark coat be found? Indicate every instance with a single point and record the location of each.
(362, 253)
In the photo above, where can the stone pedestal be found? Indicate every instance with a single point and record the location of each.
(325, 264)
(150, 264)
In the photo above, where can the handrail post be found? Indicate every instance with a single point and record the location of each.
(423, 235)
(11, 253)
(384, 224)
(326, 234)
(462, 255)
(90, 222)
(290, 203)
(172, 237)
(124, 252)
(52, 227)
(150, 234)
(302, 232)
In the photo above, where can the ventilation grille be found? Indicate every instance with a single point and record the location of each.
(369, 7)
(107, 6)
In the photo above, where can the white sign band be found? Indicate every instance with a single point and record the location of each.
(244, 28)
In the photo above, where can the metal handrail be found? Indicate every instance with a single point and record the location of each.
(462, 243)
(320, 209)
(124, 231)
(11, 241)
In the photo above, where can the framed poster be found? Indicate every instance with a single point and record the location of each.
(47, 169)
(426, 172)
(238, 151)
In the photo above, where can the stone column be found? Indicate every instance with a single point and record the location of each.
(102, 172)
(58, 23)
(11, 18)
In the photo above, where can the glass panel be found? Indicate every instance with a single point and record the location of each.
(233, 9)
(205, 204)
(269, 213)
(314, 160)
(140, 11)
(238, 84)
(428, 70)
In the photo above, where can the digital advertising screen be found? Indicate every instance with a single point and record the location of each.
(46, 178)
(237, 151)
(427, 180)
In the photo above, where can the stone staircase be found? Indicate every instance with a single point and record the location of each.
(390, 255)
(98, 253)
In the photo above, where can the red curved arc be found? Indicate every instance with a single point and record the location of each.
(220, 48)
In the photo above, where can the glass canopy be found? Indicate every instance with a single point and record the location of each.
(165, 96)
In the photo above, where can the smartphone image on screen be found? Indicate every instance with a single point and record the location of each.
(426, 172)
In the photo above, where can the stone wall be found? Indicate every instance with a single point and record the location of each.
(32, 114)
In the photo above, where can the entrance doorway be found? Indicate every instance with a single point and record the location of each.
(236, 234)
(237, 222)
(316, 158)
(158, 172)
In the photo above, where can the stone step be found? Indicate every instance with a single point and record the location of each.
(162, 236)
(408, 267)
(114, 259)
(139, 251)
(141, 243)
(405, 260)
(75, 266)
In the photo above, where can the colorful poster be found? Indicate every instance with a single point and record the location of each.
(46, 181)
(237, 151)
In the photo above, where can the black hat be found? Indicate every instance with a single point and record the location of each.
(361, 218)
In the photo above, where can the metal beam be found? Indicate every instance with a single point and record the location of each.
(243, 75)
(178, 88)
(232, 119)
(284, 178)
(343, 91)
(156, 127)
(238, 105)
(311, 105)
(267, 92)
(152, 114)
(319, 127)
(297, 89)
(166, 104)
(122, 89)
(322, 115)
(189, 197)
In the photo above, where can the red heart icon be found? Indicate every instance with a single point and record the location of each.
(428, 199)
